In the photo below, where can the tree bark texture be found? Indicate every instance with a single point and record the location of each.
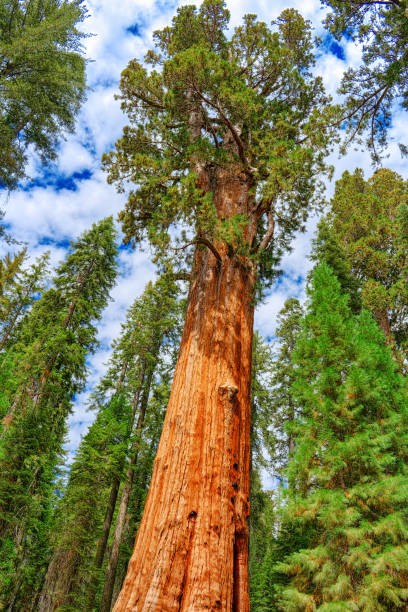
(192, 545)
(58, 581)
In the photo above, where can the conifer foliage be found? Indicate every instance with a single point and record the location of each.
(48, 369)
(42, 79)
(18, 295)
(283, 406)
(349, 476)
(222, 160)
(207, 105)
(9, 268)
(372, 233)
(381, 28)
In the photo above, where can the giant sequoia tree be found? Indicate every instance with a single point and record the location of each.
(225, 142)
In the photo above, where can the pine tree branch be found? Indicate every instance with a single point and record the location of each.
(269, 232)
(205, 242)
(227, 122)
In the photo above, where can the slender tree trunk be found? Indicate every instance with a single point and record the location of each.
(110, 509)
(100, 552)
(103, 542)
(11, 326)
(8, 419)
(124, 502)
(192, 545)
(58, 581)
(291, 440)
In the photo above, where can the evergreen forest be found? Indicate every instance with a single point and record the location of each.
(222, 466)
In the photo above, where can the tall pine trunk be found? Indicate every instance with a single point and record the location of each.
(192, 545)
(124, 502)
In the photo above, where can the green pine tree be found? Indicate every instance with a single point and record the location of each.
(261, 533)
(273, 432)
(381, 28)
(49, 368)
(278, 539)
(367, 219)
(261, 448)
(327, 247)
(15, 302)
(284, 408)
(261, 389)
(9, 268)
(42, 79)
(349, 475)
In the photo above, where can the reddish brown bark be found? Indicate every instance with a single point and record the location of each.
(192, 545)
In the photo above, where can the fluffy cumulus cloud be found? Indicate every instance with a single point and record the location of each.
(61, 201)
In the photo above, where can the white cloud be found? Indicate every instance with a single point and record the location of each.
(331, 69)
(74, 157)
(63, 214)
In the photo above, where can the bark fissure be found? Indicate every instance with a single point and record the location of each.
(191, 523)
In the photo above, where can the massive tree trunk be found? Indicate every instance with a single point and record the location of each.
(192, 546)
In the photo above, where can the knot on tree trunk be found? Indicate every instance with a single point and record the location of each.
(228, 391)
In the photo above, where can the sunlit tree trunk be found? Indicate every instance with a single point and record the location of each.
(192, 546)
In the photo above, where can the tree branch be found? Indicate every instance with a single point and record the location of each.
(149, 102)
(352, 114)
(373, 116)
(269, 232)
(227, 122)
(205, 242)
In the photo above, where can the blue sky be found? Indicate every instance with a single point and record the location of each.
(61, 201)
